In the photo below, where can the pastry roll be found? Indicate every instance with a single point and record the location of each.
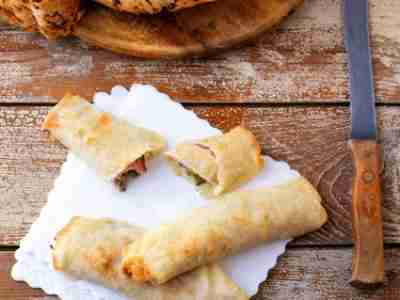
(219, 163)
(113, 147)
(229, 224)
(90, 249)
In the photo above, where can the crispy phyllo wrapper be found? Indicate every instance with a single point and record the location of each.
(114, 148)
(229, 224)
(91, 249)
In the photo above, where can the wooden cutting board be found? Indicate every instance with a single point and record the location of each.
(199, 31)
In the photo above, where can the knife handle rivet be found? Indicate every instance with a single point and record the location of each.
(368, 153)
(367, 177)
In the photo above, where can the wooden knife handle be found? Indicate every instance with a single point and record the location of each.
(368, 254)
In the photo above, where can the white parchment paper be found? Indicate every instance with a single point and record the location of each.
(156, 197)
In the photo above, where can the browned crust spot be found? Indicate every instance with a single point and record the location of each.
(69, 99)
(191, 248)
(104, 119)
(136, 269)
(102, 260)
(51, 121)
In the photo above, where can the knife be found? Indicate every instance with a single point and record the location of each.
(368, 255)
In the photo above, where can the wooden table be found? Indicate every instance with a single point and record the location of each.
(289, 88)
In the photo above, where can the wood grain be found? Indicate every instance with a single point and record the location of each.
(12, 290)
(309, 274)
(194, 32)
(368, 263)
(302, 60)
(312, 140)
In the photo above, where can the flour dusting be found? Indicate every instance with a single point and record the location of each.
(385, 20)
(315, 14)
(12, 74)
(78, 67)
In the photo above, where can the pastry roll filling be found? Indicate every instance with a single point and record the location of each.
(138, 167)
(191, 176)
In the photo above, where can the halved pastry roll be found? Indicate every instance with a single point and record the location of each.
(220, 163)
(90, 249)
(113, 147)
(229, 224)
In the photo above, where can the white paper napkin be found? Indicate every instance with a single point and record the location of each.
(155, 197)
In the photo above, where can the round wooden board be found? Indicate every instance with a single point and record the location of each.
(202, 30)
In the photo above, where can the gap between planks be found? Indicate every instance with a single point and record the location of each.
(303, 274)
(293, 247)
(303, 59)
(232, 104)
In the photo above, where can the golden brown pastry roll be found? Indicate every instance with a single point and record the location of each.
(220, 163)
(229, 224)
(90, 249)
(114, 148)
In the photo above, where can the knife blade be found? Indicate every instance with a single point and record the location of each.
(368, 255)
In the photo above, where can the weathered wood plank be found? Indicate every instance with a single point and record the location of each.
(312, 140)
(302, 60)
(12, 290)
(324, 274)
(300, 274)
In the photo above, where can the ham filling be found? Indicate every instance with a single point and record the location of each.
(195, 178)
(136, 168)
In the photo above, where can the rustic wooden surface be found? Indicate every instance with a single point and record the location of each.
(289, 88)
(302, 60)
